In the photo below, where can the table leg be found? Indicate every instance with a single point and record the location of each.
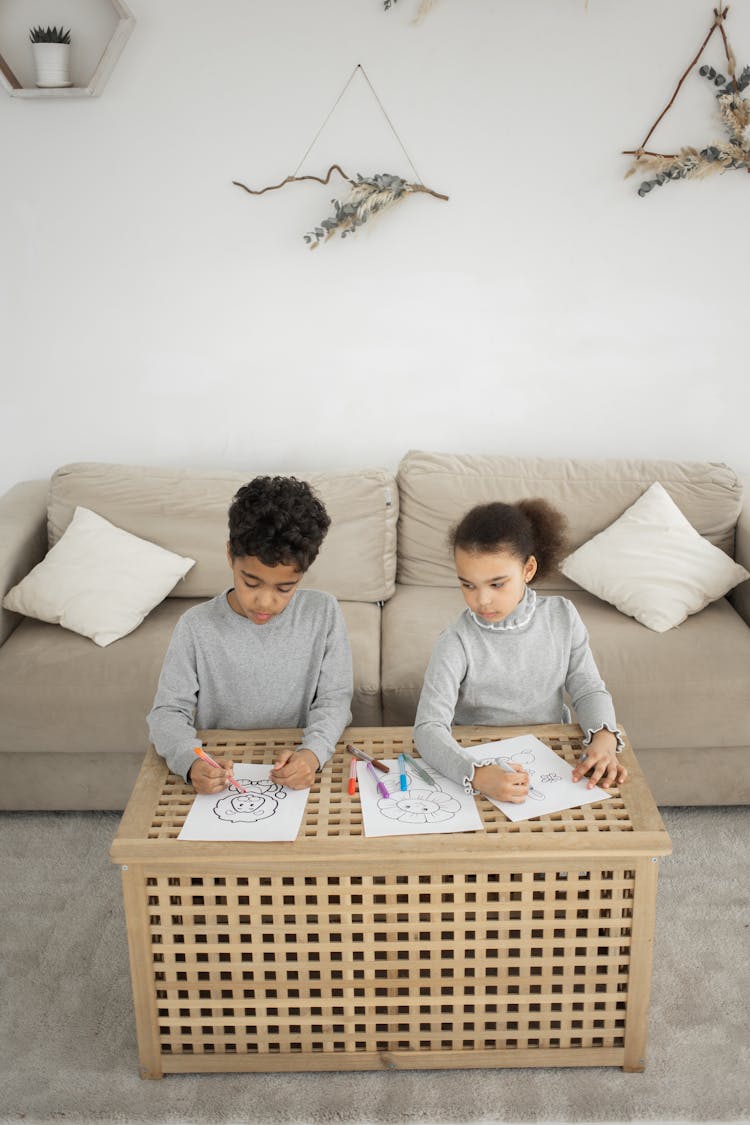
(641, 957)
(135, 895)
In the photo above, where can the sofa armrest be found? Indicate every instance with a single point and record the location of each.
(23, 540)
(740, 596)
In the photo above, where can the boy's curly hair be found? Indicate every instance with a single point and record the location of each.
(528, 527)
(278, 520)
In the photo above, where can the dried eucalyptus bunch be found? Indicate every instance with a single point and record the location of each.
(693, 163)
(368, 196)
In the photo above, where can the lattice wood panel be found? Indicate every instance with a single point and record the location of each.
(416, 962)
(524, 944)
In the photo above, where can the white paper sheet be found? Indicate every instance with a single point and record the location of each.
(266, 812)
(442, 806)
(550, 786)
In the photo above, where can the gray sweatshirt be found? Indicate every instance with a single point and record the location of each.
(222, 670)
(509, 673)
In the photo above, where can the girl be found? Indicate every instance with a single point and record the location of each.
(508, 657)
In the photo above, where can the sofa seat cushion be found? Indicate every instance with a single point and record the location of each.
(683, 688)
(57, 688)
(363, 624)
(412, 621)
(687, 687)
(96, 700)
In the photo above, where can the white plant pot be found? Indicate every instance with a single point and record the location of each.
(52, 61)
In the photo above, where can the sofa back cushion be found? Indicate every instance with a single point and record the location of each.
(185, 510)
(436, 489)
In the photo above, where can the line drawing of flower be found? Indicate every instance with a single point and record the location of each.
(419, 806)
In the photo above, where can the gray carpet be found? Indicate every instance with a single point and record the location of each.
(68, 1050)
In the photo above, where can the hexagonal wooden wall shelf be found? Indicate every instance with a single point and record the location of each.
(102, 71)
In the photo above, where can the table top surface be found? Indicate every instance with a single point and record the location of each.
(628, 824)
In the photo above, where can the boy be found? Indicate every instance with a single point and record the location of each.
(263, 653)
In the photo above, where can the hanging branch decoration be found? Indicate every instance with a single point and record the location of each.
(693, 163)
(368, 195)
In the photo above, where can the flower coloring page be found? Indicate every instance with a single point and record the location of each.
(441, 806)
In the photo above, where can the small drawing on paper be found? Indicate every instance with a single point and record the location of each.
(260, 801)
(551, 777)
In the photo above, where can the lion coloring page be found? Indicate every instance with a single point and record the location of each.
(265, 811)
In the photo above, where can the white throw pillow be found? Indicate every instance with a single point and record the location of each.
(98, 580)
(653, 565)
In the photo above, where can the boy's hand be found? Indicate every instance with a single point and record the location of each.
(295, 768)
(207, 779)
(494, 782)
(601, 762)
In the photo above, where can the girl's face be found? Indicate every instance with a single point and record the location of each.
(493, 583)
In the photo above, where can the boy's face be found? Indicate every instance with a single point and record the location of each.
(261, 592)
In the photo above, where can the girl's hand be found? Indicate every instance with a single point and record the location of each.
(206, 778)
(494, 782)
(295, 768)
(602, 762)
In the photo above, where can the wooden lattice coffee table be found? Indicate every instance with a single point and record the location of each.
(527, 944)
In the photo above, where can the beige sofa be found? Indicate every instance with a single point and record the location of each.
(73, 726)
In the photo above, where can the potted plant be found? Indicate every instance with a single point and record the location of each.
(51, 47)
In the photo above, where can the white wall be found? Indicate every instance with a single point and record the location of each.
(150, 312)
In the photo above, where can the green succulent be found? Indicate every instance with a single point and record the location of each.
(49, 35)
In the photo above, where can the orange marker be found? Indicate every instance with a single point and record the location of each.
(212, 762)
(353, 778)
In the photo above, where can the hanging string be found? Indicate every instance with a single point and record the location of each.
(322, 127)
(393, 128)
(382, 110)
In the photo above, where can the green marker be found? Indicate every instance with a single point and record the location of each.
(425, 776)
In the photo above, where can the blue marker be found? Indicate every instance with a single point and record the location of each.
(403, 779)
